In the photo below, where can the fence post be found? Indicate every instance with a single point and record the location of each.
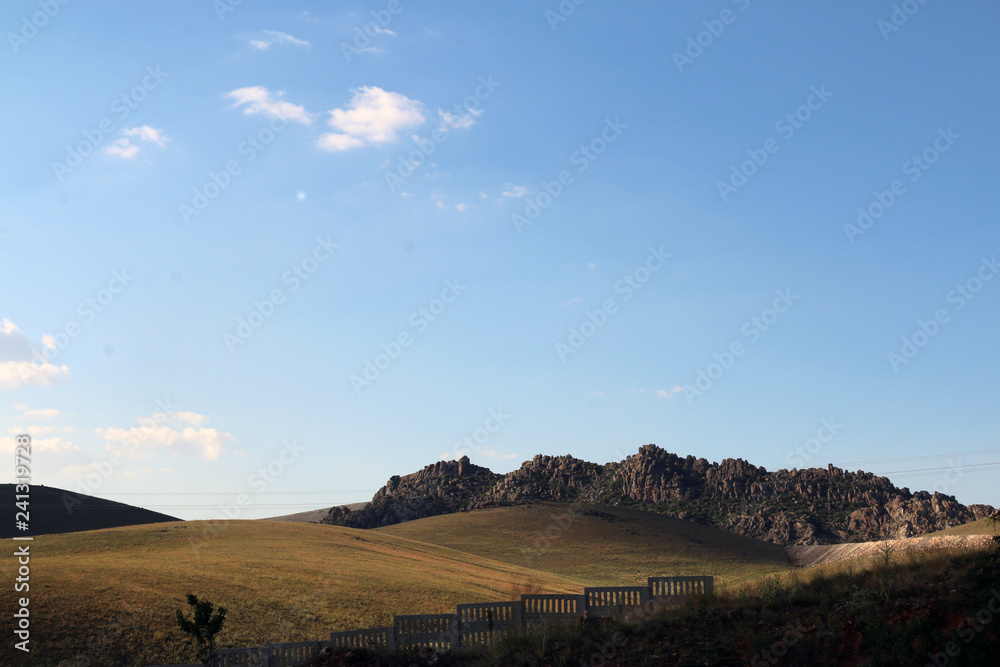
(456, 631)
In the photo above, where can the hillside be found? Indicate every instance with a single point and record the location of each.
(598, 545)
(811, 506)
(979, 527)
(55, 510)
(116, 590)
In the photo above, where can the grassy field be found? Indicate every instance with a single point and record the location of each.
(107, 594)
(980, 527)
(598, 545)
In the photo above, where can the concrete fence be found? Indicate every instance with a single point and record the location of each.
(474, 623)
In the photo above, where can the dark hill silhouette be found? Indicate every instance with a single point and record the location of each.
(53, 510)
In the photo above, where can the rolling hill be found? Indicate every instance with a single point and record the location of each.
(110, 594)
(597, 545)
(54, 510)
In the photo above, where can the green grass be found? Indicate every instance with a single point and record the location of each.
(598, 545)
(110, 595)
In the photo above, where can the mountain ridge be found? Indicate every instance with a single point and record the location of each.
(788, 507)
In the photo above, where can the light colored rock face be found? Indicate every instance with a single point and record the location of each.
(818, 554)
(813, 506)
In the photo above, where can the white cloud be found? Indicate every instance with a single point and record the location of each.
(54, 445)
(331, 141)
(374, 116)
(17, 367)
(259, 100)
(41, 413)
(514, 190)
(639, 391)
(461, 208)
(33, 430)
(126, 150)
(591, 265)
(494, 454)
(572, 302)
(452, 121)
(597, 394)
(278, 37)
(123, 148)
(285, 38)
(669, 393)
(190, 417)
(147, 133)
(161, 432)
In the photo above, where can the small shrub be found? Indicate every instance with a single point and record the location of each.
(204, 625)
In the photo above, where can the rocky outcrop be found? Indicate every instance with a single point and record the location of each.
(812, 506)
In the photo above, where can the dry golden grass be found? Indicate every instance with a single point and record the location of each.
(112, 593)
(980, 527)
(599, 545)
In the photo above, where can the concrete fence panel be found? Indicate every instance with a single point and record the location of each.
(478, 623)
(438, 631)
(607, 600)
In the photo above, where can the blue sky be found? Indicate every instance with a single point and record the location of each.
(281, 252)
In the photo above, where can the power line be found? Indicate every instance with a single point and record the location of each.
(922, 458)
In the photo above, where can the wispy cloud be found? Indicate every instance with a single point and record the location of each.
(17, 365)
(373, 117)
(455, 121)
(147, 133)
(278, 37)
(669, 393)
(126, 150)
(259, 100)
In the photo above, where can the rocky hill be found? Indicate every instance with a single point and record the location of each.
(812, 506)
